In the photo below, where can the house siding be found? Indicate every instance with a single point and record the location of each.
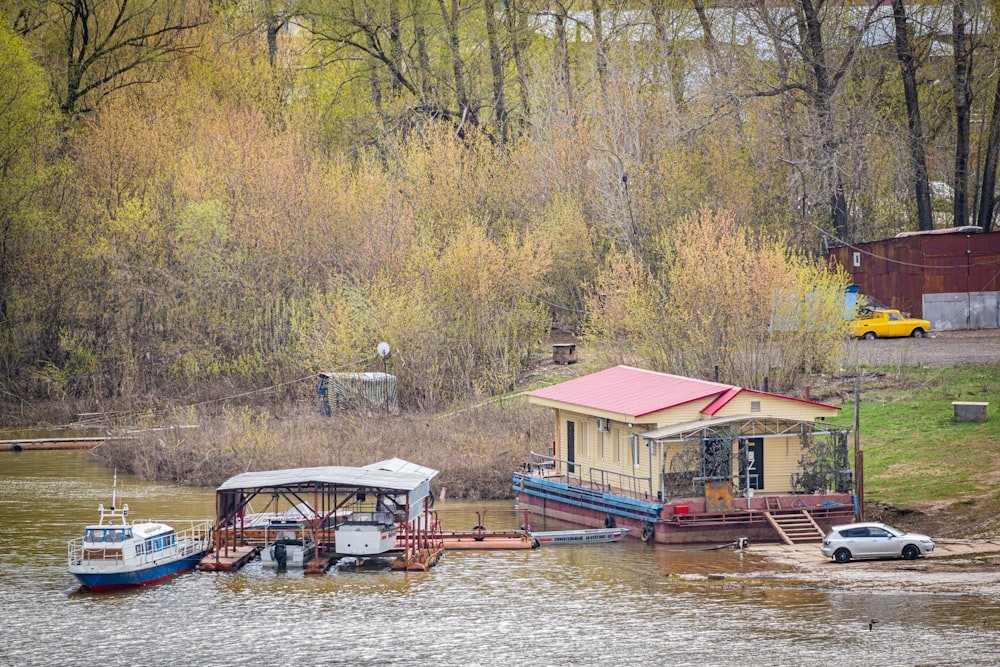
(773, 406)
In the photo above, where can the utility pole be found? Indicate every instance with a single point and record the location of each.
(859, 456)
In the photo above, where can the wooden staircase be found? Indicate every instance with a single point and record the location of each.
(794, 526)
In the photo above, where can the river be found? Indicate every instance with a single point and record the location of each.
(611, 604)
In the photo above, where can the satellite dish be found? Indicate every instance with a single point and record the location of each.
(383, 349)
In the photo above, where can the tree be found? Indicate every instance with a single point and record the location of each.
(915, 138)
(725, 298)
(962, 92)
(815, 47)
(108, 45)
(27, 137)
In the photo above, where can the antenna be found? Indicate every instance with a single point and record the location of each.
(114, 490)
(383, 350)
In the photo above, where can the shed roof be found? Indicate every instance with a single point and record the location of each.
(633, 391)
(390, 475)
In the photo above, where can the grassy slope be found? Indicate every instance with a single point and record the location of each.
(922, 468)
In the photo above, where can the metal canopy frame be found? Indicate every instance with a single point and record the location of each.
(395, 485)
(730, 428)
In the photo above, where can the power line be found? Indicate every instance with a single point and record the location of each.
(897, 261)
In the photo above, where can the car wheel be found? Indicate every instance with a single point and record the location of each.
(842, 555)
(910, 552)
(917, 333)
(869, 335)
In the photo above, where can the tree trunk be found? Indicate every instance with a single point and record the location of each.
(273, 26)
(465, 110)
(709, 39)
(675, 62)
(918, 159)
(395, 44)
(496, 65)
(986, 198)
(561, 66)
(515, 23)
(600, 57)
(963, 102)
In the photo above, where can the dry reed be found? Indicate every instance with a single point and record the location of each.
(475, 450)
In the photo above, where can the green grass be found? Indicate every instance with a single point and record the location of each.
(915, 453)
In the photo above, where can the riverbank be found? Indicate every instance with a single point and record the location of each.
(962, 566)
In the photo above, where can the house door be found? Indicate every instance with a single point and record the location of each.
(570, 446)
(753, 470)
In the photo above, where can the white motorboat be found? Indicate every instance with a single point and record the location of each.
(366, 534)
(581, 536)
(288, 542)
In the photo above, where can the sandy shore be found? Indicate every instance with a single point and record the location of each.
(955, 566)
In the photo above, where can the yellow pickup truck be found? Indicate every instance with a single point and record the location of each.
(885, 323)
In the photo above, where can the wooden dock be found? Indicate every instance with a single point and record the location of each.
(228, 559)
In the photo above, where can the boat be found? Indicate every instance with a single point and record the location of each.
(114, 554)
(581, 536)
(292, 538)
(366, 534)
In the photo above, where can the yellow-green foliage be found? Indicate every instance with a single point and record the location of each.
(724, 298)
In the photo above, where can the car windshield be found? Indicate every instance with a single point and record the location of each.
(895, 531)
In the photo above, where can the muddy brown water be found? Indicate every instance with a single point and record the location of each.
(612, 604)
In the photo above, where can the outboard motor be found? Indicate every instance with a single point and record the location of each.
(281, 554)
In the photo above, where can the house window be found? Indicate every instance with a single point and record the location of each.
(754, 406)
(635, 451)
(857, 259)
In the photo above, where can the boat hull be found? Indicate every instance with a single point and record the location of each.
(585, 536)
(296, 555)
(103, 579)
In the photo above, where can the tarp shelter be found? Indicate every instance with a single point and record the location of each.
(353, 391)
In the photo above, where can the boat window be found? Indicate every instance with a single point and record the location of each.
(94, 535)
(114, 535)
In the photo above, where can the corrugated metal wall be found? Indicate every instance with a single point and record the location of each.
(952, 280)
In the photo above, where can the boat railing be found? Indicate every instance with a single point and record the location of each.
(193, 539)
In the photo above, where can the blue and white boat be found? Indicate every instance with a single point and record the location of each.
(114, 554)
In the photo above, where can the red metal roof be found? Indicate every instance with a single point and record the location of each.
(633, 391)
(630, 391)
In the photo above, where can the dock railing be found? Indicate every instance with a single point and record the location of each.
(572, 474)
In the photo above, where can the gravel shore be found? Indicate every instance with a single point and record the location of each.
(956, 566)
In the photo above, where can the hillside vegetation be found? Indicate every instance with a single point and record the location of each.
(205, 201)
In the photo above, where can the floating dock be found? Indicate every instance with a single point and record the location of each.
(50, 443)
(228, 559)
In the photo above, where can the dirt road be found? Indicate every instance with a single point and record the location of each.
(947, 348)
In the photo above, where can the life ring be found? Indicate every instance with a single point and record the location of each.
(647, 532)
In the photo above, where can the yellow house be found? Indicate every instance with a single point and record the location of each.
(682, 445)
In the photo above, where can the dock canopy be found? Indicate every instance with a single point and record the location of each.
(392, 476)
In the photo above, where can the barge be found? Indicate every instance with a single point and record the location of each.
(685, 461)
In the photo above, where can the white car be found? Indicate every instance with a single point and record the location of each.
(874, 540)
